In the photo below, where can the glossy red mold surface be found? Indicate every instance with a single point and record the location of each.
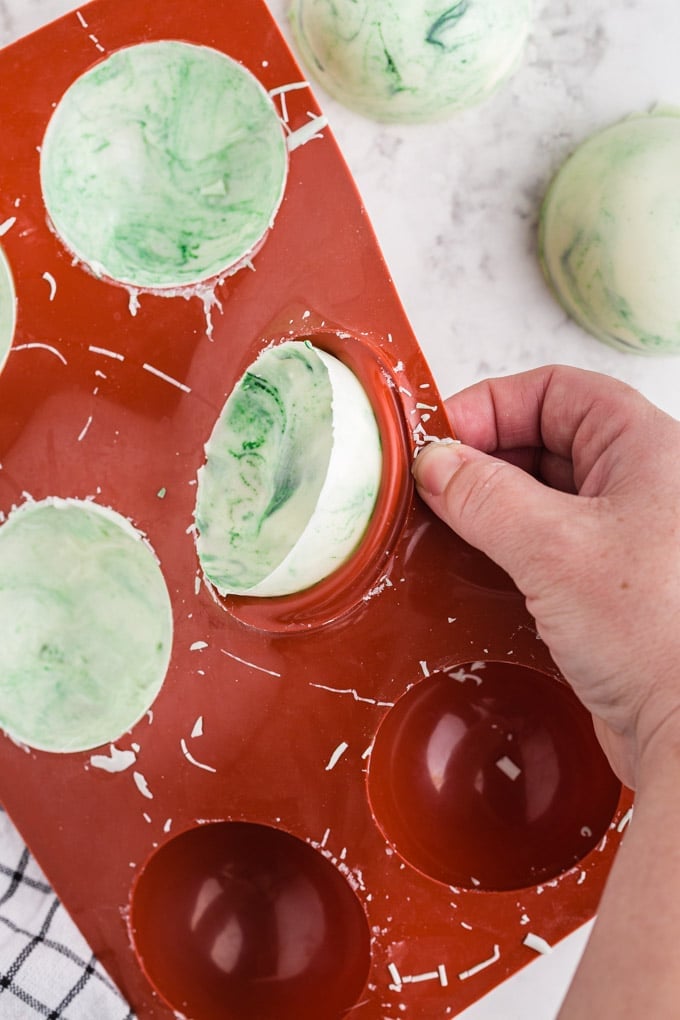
(270, 710)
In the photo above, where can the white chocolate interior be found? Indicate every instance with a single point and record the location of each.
(286, 493)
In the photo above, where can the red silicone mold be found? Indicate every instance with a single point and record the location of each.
(356, 801)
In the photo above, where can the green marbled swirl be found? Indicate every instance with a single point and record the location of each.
(164, 165)
(8, 308)
(291, 476)
(610, 234)
(85, 625)
(410, 60)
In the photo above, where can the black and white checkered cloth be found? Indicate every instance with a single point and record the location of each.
(46, 967)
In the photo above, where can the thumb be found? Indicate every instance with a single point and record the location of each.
(493, 505)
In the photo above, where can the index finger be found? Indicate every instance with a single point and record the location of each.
(542, 409)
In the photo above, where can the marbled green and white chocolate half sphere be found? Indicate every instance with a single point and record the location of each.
(610, 234)
(85, 625)
(164, 165)
(411, 60)
(292, 473)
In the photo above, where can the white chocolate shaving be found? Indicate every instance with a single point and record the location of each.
(44, 347)
(336, 756)
(52, 282)
(166, 378)
(142, 785)
(115, 761)
(538, 944)
(464, 975)
(193, 761)
(508, 767)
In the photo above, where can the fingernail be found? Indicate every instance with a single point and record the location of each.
(436, 465)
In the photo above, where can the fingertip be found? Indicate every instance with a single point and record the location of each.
(435, 466)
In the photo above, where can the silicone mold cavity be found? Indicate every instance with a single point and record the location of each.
(238, 921)
(489, 776)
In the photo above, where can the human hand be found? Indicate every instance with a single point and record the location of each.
(570, 481)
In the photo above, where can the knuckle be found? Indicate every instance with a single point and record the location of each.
(480, 482)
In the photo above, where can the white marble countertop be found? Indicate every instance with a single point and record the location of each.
(455, 208)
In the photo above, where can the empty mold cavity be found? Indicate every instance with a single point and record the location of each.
(240, 921)
(489, 776)
(164, 165)
(292, 474)
(86, 628)
(8, 309)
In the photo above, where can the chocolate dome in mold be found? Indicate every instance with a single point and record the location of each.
(382, 455)
(292, 474)
(87, 625)
(164, 165)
